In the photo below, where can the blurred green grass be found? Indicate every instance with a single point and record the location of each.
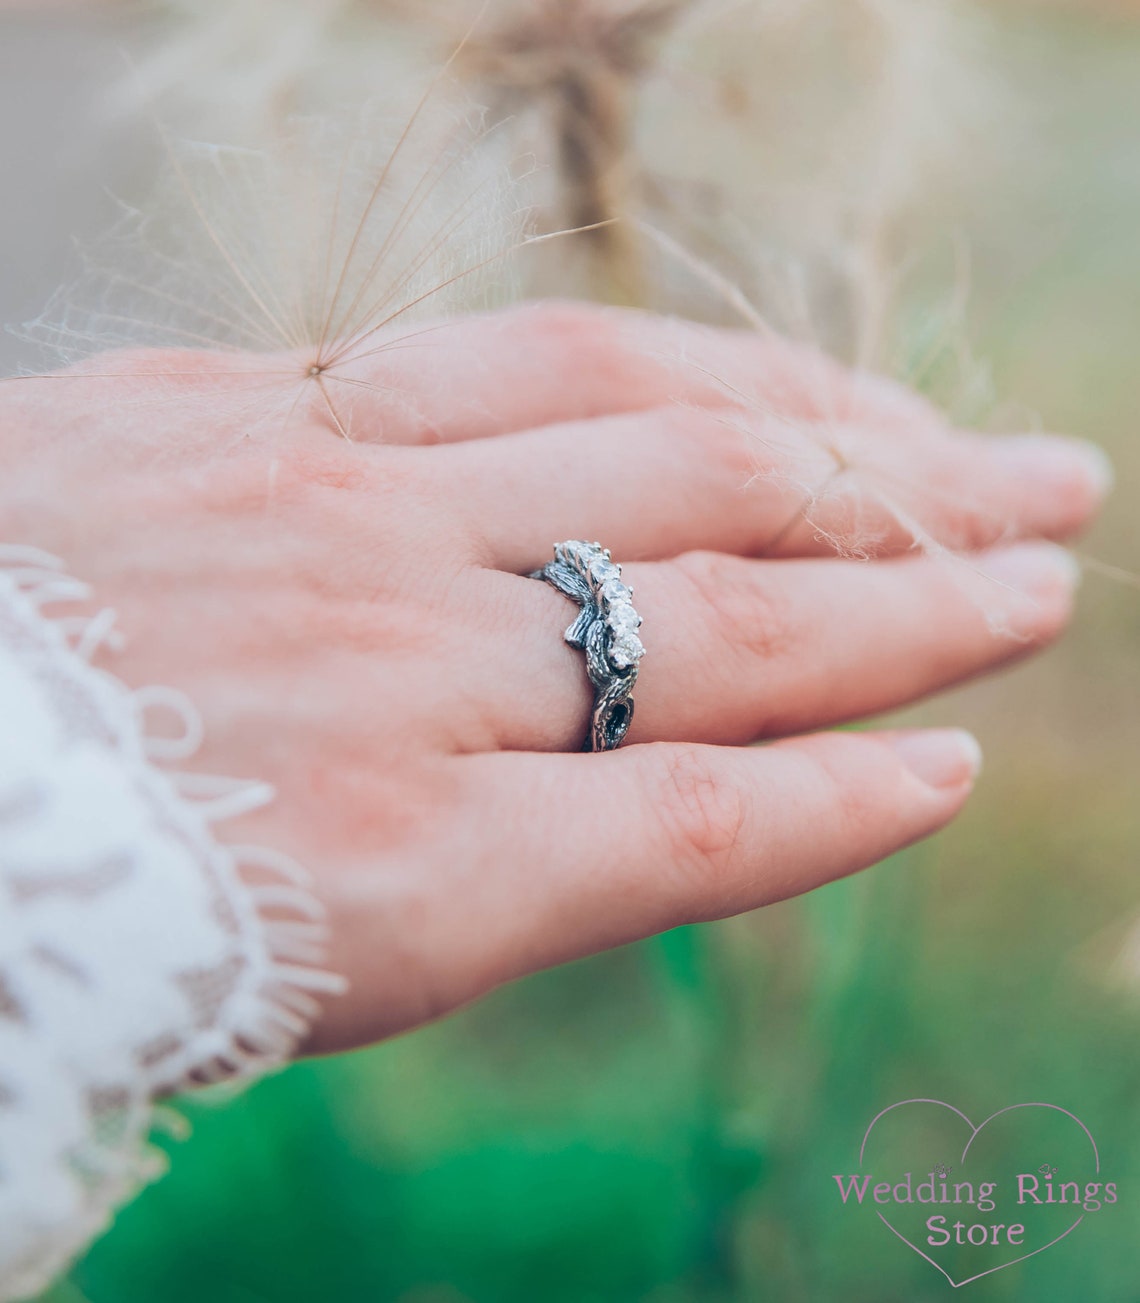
(660, 1123)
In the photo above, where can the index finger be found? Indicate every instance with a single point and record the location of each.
(551, 362)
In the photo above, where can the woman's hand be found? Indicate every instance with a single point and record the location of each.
(353, 621)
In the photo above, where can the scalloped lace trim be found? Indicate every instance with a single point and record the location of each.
(138, 954)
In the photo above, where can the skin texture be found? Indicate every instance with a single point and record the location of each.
(352, 618)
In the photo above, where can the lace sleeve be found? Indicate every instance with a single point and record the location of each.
(135, 954)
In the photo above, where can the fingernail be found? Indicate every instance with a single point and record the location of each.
(1062, 462)
(940, 757)
(1039, 570)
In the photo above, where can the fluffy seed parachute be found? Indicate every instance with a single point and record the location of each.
(295, 265)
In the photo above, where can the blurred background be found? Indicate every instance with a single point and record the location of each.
(660, 1123)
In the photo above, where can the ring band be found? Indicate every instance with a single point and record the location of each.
(606, 630)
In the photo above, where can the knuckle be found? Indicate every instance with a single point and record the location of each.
(358, 626)
(302, 473)
(250, 482)
(402, 812)
(704, 816)
(602, 342)
(577, 326)
(296, 471)
(744, 619)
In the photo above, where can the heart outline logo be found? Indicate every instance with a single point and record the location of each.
(975, 1131)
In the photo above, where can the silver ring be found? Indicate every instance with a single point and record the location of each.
(606, 630)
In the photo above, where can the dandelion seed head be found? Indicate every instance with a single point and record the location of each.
(280, 276)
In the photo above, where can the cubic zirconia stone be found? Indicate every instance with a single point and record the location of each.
(614, 591)
(602, 570)
(623, 618)
(627, 650)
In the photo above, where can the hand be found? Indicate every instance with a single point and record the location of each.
(353, 621)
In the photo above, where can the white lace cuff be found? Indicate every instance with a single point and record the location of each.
(133, 957)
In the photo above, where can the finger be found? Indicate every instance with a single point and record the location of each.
(580, 852)
(656, 483)
(472, 377)
(541, 363)
(739, 650)
(526, 861)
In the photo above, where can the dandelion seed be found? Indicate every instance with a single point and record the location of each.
(839, 444)
(282, 275)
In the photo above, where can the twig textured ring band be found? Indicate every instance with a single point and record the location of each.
(606, 630)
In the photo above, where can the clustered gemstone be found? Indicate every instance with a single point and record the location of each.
(626, 648)
(603, 569)
(622, 621)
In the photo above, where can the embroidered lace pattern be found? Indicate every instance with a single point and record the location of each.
(138, 953)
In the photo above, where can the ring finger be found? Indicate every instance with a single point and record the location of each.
(740, 650)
